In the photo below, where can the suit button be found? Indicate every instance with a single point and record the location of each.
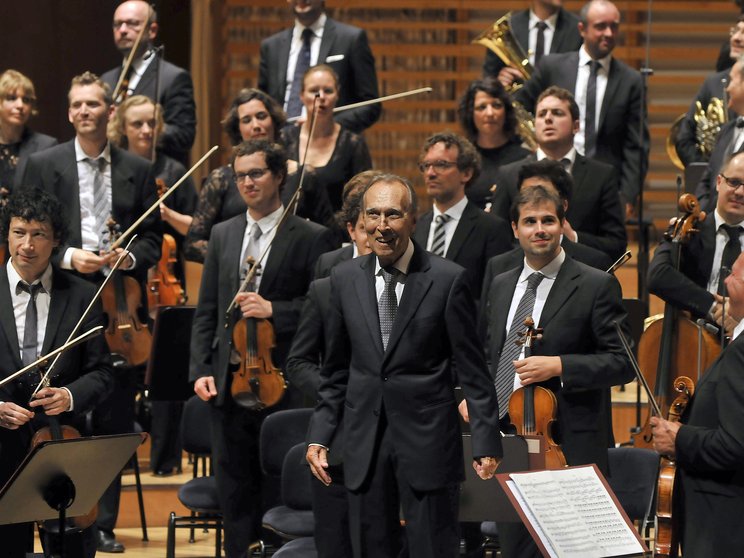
(384, 378)
(376, 413)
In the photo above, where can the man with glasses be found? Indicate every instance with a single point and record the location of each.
(713, 86)
(456, 228)
(286, 270)
(706, 259)
(175, 91)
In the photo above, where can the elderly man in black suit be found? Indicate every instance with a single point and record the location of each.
(36, 296)
(608, 93)
(545, 27)
(150, 75)
(707, 257)
(389, 368)
(260, 170)
(713, 86)
(708, 447)
(95, 180)
(318, 39)
(456, 228)
(579, 356)
(594, 217)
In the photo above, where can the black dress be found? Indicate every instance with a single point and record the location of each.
(479, 191)
(350, 157)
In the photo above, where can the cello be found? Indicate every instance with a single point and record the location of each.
(674, 342)
(163, 287)
(533, 409)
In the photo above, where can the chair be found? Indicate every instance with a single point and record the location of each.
(490, 532)
(633, 475)
(298, 548)
(199, 494)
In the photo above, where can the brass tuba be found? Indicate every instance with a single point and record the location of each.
(499, 39)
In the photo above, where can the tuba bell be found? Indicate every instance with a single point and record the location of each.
(500, 40)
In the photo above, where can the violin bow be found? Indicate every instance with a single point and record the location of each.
(129, 60)
(631, 357)
(294, 201)
(621, 261)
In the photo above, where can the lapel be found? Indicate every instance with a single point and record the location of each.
(233, 244)
(499, 304)
(463, 231)
(520, 23)
(707, 237)
(57, 306)
(283, 58)
(279, 249)
(68, 184)
(421, 234)
(418, 283)
(365, 290)
(561, 32)
(565, 284)
(121, 184)
(146, 84)
(566, 75)
(7, 320)
(329, 36)
(578, 173)
(614, 79)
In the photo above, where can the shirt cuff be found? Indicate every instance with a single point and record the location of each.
(319, 445)
(72, 401)
(66, 262)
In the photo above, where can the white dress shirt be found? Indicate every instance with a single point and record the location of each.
(268, 231)
(401, 265)
(455, 212)
(721, 240)
(138, 70)
(548, 34)
(296, 45)
(582, 79)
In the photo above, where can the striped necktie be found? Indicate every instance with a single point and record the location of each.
(437, 243)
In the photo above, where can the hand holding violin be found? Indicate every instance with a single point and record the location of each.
(665, 435)
(85, 261)
(535, 369)
(13, 416)
(253, 305)
(54, 401)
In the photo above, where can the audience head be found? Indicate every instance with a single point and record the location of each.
(17, 100)
(557, 120)
(735, 87)
(253, 115)
(449, 164)
(307, 12)
(736, 38)
(89, 106)
(129, 18)
(550, 175)
(730, 188)
(135, 125)
(599, 24)
(537, 222)
(260, 171)
(320, 81)
(485, 109)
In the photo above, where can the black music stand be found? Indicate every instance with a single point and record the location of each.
(486, 500)
(64, 478)
(167, 375)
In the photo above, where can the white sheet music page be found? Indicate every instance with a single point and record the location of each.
(576, 514)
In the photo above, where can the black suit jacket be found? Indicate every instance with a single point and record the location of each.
(594, 209)
(478, 237)
(618, 140)
(577, 322)
(686, 144)
(329, 260)
(710, 459)
(706, 192)
(176, 95)
(286, 276)
(132, 193)
(355, 70)
(31, 142)
(412, 381)
(687, 288)
(85, 370)
(565, 39)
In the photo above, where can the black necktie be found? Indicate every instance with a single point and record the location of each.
(540, 44)
(388, 304)
(731, 251)
(294, 103)
(590, 132)
(30, 330)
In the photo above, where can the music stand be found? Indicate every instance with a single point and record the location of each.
(167, 375)
(486, 500)
(64, 478)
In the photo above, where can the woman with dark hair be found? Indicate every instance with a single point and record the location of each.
(488, 118)
(17, 140)
(334, 153)
(252, 115)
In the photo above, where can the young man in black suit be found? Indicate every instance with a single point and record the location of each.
(35, 324)
(389, 368)
(260, 170)
(594, 216)
(579, 356)
(456, 228)
(175, 90)
(708, 447)
(612, 136)
(559, 30)
(318, 39)
(94, 180)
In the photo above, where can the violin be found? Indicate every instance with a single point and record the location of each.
(126, 335)
(256, 383)
(534, 409)
(163, 287)
(675, 342)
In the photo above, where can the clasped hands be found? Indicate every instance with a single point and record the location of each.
(54, 401)
(84, 261)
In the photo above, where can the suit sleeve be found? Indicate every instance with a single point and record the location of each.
(611, 237)
(203, 329)
(686, 145)
(492, 64)
(179, 115)
(208, 208)
(303, 362)
(363, 86)
(501, 199)
(708, 450)
(608, 364)
(264, 72)
(635, 145)
(472, 372)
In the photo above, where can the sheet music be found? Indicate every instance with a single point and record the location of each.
(576, 514)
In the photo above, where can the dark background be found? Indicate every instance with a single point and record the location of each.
(51, 41)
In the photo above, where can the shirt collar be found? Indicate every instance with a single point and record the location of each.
(720, 221)
(268, 222)
(571, 155)
(455, 211)
(316, 27)
(737, 330)
(14, 278)
(551, 22)
(584, 59)
(402, 264)
(550, 270)
(80, 155)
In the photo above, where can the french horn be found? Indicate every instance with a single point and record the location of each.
(708, 124)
